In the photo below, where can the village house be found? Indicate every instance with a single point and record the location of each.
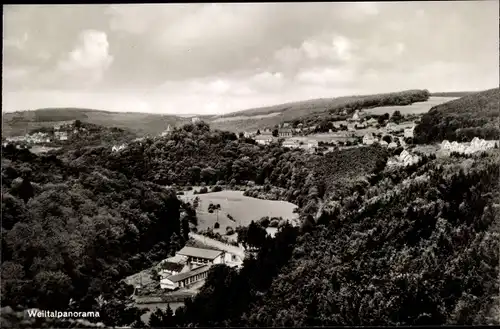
(408, 132)
(391, 126)
(264, 139)
(355, 117)
(61, 135)
(371, 121)
(291, 143)
(285, 132)
(167, 131)
(369, 139)
(312, 144)
(118, 148)
(195, 120)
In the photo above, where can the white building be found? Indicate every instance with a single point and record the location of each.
(291, 143)
(356, 117)
(408, 132)
(202, 256)
(390, 127)
(312, 144)
(264, 139)
(118, 148)
(167, 131)
(369, 139)
(185, 279)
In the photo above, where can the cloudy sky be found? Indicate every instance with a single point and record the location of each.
(218, 58)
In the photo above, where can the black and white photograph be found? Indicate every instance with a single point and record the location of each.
(267, 164)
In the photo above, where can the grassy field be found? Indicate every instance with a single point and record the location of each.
(415, 108)
(243, 209)
(258, 118)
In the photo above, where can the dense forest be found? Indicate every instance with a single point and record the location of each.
(70, 234)
(412, 246)
(475, 115)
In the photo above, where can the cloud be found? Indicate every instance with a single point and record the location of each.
(205, 57)
(18, 42)
(89, 59)
(327, 76)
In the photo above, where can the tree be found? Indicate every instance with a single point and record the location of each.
(256, 235)
(258, 132)
(196, 202)
(396, 116)
(387, 138)
(241, 135)
(157, 318)
(275, 132)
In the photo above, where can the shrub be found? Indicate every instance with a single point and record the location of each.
(216, 225)
(274, 223)
(203, 190)
(264, 221)
(216, 188)
(229, 230)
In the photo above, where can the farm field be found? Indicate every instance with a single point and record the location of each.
(415, 108)
(243, 209)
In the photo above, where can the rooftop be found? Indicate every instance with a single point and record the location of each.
(200, 253)
(173, 267)
(182, 276)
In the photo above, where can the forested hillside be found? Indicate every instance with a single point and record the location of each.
(70, 234)
(475, 115)
(194, 154)
(417, 246)
(377, 246)
(19, 123)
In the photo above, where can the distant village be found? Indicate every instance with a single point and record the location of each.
(357, 130)
(57, 134)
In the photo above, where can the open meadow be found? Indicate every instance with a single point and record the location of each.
(415, 108)
(243, 209)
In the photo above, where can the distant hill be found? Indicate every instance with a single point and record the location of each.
(313, 111)
(474, 115)
(19, 123)
(453, 93)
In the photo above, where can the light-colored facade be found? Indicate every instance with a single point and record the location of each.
(202, 256)
(408, 133)
(285, 132)
(185, 279)
(369, 139)
(290, 143)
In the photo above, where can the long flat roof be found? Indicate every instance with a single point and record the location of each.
(200, 253)
(182, 276)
